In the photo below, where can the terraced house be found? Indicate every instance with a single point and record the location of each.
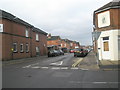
(19, 39)
(61, 43)
(106, 34)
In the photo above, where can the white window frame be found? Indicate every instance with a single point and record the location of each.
(65, 45)
(21, 48)
(15, 50)
(26, 33)
(71, 44)
(61, 44)
(1, 27)
(27, 47)
(37, 49)
(37, 37)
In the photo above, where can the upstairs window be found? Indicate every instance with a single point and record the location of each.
(65, 44)
(14, 47)
(71, 44)
(27, 33)
(21, 48)
(37, 37)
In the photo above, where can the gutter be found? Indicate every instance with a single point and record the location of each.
(115, 7)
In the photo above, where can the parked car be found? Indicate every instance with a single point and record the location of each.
(60, 52)
(80, 52)
(71, 51)
(52, 53)
(65, 50)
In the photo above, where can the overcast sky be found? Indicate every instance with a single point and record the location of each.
(70, 19)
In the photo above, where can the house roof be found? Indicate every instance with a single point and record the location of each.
(39, 30)
(11, 17)
(112, 4)
(53, 38)
(6, 15)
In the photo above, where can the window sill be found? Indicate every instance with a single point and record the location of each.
(37, 41)
(15, 51)
(22, 52)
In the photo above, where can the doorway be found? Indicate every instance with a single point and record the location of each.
(105, 48)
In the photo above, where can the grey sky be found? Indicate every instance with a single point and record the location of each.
(70, 19)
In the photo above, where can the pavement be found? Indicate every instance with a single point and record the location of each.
(109, 65)
(90, 62)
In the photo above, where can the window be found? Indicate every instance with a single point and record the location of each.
(14, 47)
(71, 44)
(1, 27)
(106, 46)
(37, 37)
(21, 48)
(37, 49)
(26, 33)
(27, 48)
(105, 38)
(65, 44)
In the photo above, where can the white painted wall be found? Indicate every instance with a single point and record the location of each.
(113, 43)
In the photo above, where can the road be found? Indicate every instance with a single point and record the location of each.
(58, 72)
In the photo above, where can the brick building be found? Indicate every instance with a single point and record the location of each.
(53, 40)
(19, 39)
(106, 34)
(65, 43)
(61, 43)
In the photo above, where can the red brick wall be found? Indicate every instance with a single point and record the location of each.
(40, 44)
(18, 36)
(114, 20)
(53, 42)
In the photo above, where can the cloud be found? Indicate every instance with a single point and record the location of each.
(70, 19)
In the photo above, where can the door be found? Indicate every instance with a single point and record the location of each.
(105, 48)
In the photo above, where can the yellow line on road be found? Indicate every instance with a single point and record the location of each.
(77, 62)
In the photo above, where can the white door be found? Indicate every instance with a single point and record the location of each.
(105, 48)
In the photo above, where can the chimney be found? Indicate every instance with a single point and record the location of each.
(49, 35)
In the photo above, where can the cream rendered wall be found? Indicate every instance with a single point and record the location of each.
(119, 46)
(113, 43)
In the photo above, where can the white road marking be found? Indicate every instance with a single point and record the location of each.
(27, 66)
(94, 82)
(57, 63)
(35, 67)
(75, 68)
(44, 67)
(99, 82)
(55, 68)
(64, 68)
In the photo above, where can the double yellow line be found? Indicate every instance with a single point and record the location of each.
(77, 62)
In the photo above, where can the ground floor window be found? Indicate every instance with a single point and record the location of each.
(27, 47)
(37, 51)
(21, 48)
(14, 47)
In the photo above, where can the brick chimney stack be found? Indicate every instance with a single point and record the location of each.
(49, 35)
